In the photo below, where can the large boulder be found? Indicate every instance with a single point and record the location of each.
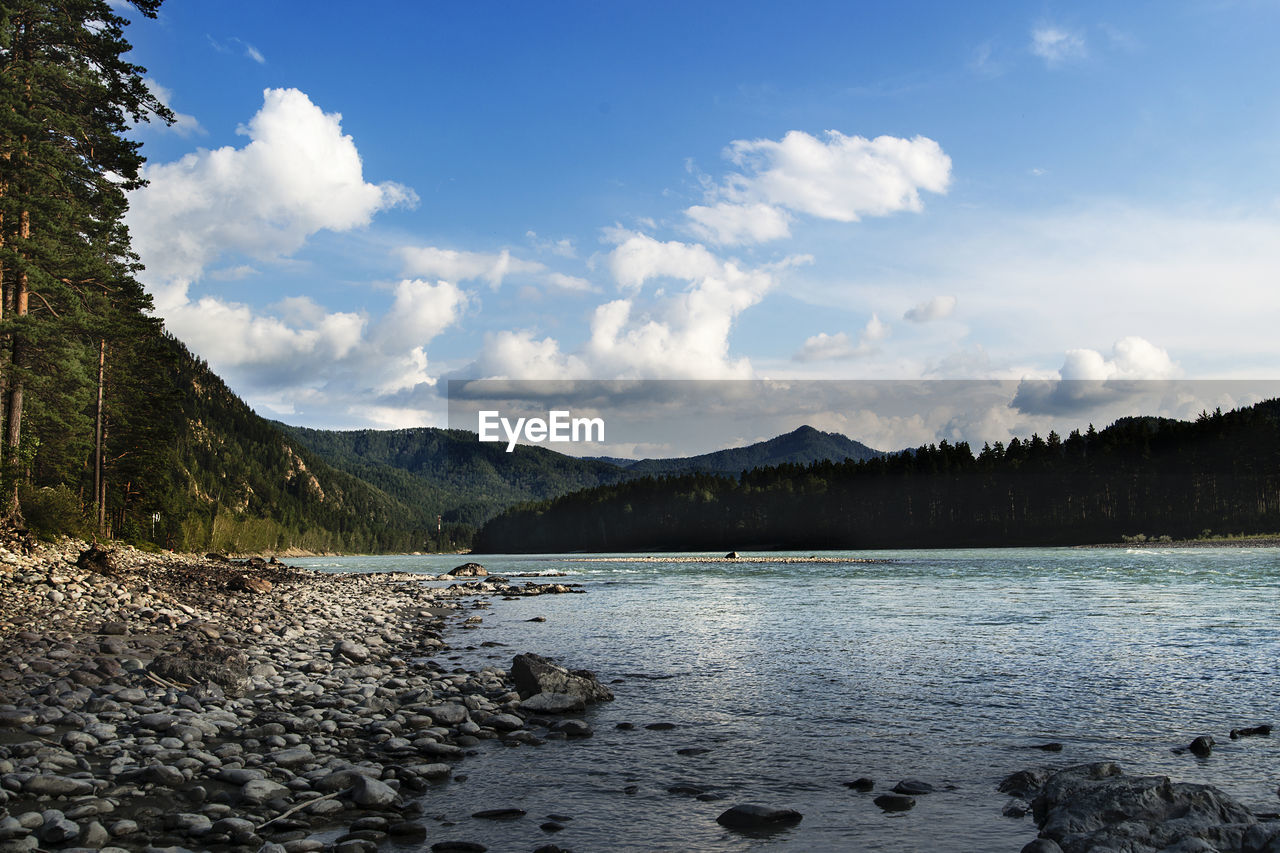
(469, 570)
(1097, 807)
(534, 674)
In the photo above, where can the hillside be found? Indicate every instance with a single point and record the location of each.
(1140, 476)
(450, 473)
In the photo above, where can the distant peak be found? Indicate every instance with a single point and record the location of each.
(804, 430)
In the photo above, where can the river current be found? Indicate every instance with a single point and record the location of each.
(943, 666)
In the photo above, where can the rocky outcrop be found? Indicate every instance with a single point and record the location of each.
(1097, 807)
(534, 675)
(469, 570)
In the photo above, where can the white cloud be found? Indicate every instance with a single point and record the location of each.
(937, 308)
(1131, 358)
(254, 54)
(841, 178)
(183, 124)
(1056, 46)
(454, 265)
(734, 224)
(299, 174)
(679, 328)
(332, 360)
(570, 282)
(839, 347)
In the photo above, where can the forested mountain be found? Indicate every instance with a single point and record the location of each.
(450, 472)
(1148, 476)
(799, 447)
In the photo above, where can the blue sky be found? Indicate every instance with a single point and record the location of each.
(708, 190)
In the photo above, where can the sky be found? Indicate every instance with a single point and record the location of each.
(358, 204)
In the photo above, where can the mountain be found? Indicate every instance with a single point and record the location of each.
(1139, 478)
(450, 473)
(799, 447)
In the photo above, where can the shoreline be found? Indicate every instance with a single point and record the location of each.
(163, 700)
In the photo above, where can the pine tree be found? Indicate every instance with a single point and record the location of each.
(67, 98)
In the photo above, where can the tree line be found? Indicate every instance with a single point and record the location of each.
(1139, 477)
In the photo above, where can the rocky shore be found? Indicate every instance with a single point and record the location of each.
(161, 701)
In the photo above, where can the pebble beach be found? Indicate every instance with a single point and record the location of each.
(176, 702)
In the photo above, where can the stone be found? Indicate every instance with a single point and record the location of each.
(1098, 806)
(553, 703)
(1253, 731)
(351, 650)
(469, 570)
(258, 791)
(448, 714)
(57, 786)
(913, 787)
(499, 814)
(292, 757)
(534, 674)
(862, 783)
(732, 555)
(504, 722)
(895, 802)
(1042, 845)
(458, 847)
(372, 793)
(1202, 746)
(753, 816)
(572, 728)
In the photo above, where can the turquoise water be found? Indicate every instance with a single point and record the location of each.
(946, 666)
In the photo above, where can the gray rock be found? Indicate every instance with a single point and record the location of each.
(504, 722)
(57, 786)
(57, 829)
(1097, 806)
(754, 816)
(448, 714)
(534, 674)
(1202, 746)
(292, 757)
(913, 787)
(257, 791)
(553, 703)
(351, 650)
(895, 802)
(469, 570)
(94, 836)
(572, 728)
(372, 793)
(1042, 845)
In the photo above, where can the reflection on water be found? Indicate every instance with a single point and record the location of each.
(947, 666)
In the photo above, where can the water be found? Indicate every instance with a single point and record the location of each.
(946, 666)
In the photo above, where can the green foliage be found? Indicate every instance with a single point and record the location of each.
(53, 511)
(1172, 478)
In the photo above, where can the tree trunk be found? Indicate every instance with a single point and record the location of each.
(14, 436)
(98, 488)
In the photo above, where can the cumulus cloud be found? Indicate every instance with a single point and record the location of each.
(454, 265)
(1056, 46)
(728, 224)
(300, 352)
(1131, 358)
(841, 178)
(937, 308)
(677, 328)
(839, 347)
(298, 174)
(1091, 381)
